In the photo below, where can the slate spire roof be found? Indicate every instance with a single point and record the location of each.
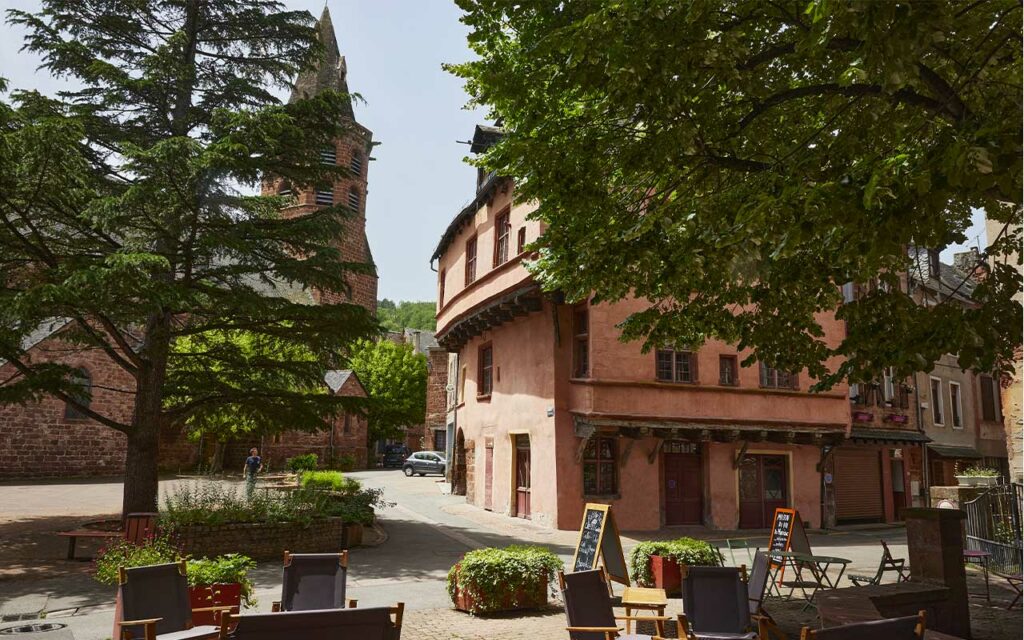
(331, 71)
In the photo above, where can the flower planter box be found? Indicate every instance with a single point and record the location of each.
(667, 575)
(217, 595)
(532, 598)
(897, 418)
(862, 416)
(977, 481)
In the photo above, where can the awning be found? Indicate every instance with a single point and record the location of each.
(951, 451)
(877, 436)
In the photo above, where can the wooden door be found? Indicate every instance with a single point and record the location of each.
(764, 487)
(683, 489)
(899, 488)
(522, 454)
(489, 474)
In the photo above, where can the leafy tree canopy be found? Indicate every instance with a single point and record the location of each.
(120, 211)
(395, 378)
(736, 162)
(406, 315)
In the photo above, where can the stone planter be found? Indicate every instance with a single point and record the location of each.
(261, 540)
(977, 481)
(666, 574)
(531, 598)
(352, 535)
(215, 595)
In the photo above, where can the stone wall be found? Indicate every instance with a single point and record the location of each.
(262, 541)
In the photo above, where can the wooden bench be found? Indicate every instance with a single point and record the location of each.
(73, 537)
(138, 527)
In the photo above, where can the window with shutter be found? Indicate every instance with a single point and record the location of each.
(581, 343)
(353, 199)
(470, 260)
(771, 378)
(325, 196)
(486, 377)
(675, 366)
(727, 374)
(356, 164)
(329, 155)
(938, 411)
(954, 406)
(502, 231)
(989, 399)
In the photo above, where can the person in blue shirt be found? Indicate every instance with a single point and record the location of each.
(253, 465)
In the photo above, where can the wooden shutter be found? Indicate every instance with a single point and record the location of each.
(858, 484)
(988, 405)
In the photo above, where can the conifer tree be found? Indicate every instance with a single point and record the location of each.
(124, 211)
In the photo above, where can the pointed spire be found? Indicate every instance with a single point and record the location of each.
(330, 72)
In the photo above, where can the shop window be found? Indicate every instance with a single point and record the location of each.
(486, 377)
(675, 366)
(502, 232)
(83, 395)
(727, 371)
(989, 399)
(772, 378)
(600, 467)
(938, 413)
(581, 343)
(470, 260)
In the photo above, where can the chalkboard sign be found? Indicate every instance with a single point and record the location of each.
(782, 531)
(593, 544)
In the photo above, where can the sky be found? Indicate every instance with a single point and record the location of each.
(416, 110)
(418, 181)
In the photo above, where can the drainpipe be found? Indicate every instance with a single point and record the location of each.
(925, 467)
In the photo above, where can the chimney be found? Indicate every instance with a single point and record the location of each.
(966, 261)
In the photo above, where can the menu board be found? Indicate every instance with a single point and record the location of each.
(782, 531)
(594, 543)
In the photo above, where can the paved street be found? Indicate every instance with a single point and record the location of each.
(427, 531)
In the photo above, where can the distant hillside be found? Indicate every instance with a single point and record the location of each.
(406, 315)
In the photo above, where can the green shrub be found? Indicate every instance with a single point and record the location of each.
(327, 480)
(227, 569)
(688, 551)
(983, 472)
(356, 506)
(298, 464)
(344, 462)
(214, 503)
(489, 575)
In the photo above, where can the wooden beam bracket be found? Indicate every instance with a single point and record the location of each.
(739, 456)
(655, 451)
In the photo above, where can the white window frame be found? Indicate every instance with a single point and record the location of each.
(956, 407)
(937, 401)
(888, 386)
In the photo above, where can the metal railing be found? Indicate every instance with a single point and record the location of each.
(994, 526)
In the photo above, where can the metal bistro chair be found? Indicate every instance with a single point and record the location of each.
(588, 608)
(886, 564)
(733, 544)
(371, 623)
(312, 581)
(908, 628)
(155, 598)
(757, 587)
(716, 605)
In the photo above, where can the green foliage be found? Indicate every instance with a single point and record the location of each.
(395, 378)
(304, 462)
(344, 462)
(734, 168)
(683, 551)
(490, 575)
(147, 241)
(977, 471)
(232, 568)
(329, 480)
(213, 503)
(406, 315)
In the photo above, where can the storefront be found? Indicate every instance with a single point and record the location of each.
(872, 477)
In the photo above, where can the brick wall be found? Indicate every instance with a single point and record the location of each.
(262, 541)
(39, 440)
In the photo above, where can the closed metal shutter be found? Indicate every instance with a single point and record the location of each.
(858, 485)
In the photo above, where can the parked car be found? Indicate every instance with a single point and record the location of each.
(394, 455)
(424, 462)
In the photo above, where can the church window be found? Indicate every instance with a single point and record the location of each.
(325, 196)
(284, 189)
(357, 164)
(329, 155)
(353, 198)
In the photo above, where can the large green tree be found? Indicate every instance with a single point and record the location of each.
(406, 315)
(122, 211)
(395, 379)
(734, 162)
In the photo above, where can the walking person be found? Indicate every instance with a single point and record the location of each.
(253, 465)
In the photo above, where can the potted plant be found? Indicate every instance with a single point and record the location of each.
(978, 477)
(492, 580)
(656, 563)
(221, 581)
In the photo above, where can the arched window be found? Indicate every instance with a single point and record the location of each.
(284, 189)
(353, 198)
(329, 155)
(356, 165)
(83, 394)
(325, 196)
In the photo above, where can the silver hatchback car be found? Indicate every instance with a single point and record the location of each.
(424, 462)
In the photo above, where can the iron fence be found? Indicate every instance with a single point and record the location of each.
(994, 526)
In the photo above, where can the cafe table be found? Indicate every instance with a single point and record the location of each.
(818, 568)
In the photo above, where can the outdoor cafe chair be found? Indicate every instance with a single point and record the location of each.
(757, 587)
(886, 564)
(313, 581)
(588, 608)
(155, 599)
(907, 628)
(371, 623)
(716, 605)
